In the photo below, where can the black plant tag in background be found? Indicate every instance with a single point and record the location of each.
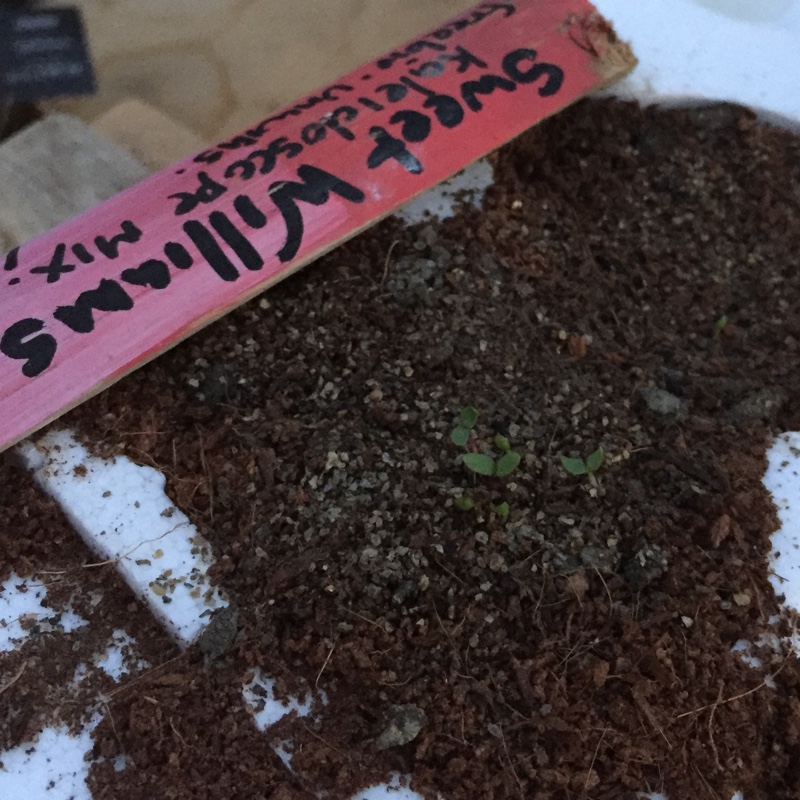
(43, 53)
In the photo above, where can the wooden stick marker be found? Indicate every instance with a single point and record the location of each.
(100, 295)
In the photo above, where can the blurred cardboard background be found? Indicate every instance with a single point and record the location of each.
(215, 66)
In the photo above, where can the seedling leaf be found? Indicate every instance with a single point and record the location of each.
(575, 466)
(501, 510)
(507, 464)
(482, 464)
(595, 460)
(459, 436)
(501, 443)
(468, 417)
(464, 502)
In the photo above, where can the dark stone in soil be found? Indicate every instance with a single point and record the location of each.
(404, 724)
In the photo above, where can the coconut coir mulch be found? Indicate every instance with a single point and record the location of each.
(632, 283)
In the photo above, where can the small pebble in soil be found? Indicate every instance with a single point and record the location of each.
(403, 726)
(647, 565)
(763, 404)
(661, 401)
(218, 638)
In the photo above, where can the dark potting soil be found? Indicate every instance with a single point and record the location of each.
(632, 284)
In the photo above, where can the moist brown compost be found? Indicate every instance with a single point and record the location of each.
(632, 283)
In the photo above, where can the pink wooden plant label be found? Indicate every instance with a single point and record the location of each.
(94, 298)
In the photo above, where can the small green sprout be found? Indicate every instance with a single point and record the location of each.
(501, 463)
(483, 464)
(466, 422)
(719, 326)
(464, 502)
(502, 510)
(480, 463)
(587, 466)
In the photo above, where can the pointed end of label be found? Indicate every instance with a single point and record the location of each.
(613, 58)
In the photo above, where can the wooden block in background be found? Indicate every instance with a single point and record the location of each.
(153, 138)
(59, 167)
(55, 169)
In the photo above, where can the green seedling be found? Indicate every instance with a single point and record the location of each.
(502, 510)
(490, 466)
(587, 466)
(464, 502)
(466, 422)
(480, 463)
(719, 326)
(487, 465)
